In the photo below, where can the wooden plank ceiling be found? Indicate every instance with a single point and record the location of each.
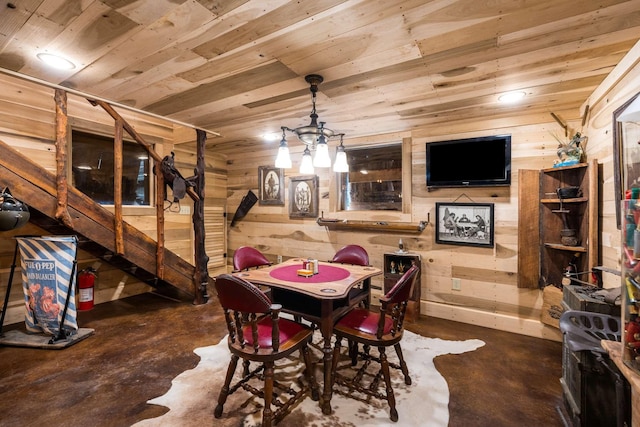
(237, 67)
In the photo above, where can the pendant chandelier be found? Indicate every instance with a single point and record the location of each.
(315, 137)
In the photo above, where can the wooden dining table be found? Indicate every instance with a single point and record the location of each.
(322, 298)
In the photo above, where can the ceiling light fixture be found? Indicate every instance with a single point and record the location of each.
(315, 137)
(271, 136)
(56, 61)
(511, 97)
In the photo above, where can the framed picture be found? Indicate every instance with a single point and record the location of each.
(469, 224)
(626, 155)
(303, 197)
(271, 185)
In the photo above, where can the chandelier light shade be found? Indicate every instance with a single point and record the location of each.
(341, 164)
(306, 165)
(322, 159)
(283, 160)
(315, 136)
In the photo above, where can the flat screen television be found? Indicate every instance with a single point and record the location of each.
(471, 162)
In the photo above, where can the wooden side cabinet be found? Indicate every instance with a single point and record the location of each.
(395, 265)
(568, 222)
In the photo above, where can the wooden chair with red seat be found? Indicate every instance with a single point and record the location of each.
(360, 294)
(352, 254)
(258, 334)
(246, 257)
(355, 255)
(380, 330)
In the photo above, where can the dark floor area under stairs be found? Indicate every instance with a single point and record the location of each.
(141, 343)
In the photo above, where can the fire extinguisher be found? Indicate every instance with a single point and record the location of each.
(86, 283)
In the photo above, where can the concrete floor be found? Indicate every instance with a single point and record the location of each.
(141, 343)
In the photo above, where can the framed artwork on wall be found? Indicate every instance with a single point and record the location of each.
(271, 185)
(626, 153)
(303, 197)
(468, 224)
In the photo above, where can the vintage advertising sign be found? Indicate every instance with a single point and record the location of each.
(48, 282)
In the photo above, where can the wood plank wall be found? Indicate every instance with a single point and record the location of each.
(622, 83)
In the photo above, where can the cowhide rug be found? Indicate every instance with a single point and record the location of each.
(194, 393)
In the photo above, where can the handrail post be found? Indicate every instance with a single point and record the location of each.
(117, 187)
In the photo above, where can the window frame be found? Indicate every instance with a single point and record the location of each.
(406, 213)
(106, 131)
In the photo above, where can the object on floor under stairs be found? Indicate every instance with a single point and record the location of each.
(48, 266)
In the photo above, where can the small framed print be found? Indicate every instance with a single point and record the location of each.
(468, 224)
(303, 197)
(271, 185)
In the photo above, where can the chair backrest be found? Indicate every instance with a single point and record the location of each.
(403, 288)
(394, 304)
(352, 254)
(237, 294)
(247, 257)
(245, 307)
(583, 330)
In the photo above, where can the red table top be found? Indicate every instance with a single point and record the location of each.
(326, 273)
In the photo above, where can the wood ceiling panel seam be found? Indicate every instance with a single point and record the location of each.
(159, 42)
(290, 16)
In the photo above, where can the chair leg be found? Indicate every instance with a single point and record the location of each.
(224, 392)
(391, 399)
(403, 364)
(245, 368)
(353, 352)
(365, 349)
(336, 356)
(267, 414)
(311, 377)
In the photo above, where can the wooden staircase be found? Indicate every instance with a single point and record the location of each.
(95, 227)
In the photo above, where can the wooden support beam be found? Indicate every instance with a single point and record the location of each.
(561, 123)
(201, 274)
(117, 186)
(62, 213)
(160, 196)
(130, 130)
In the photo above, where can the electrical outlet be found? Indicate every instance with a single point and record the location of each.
(455, 284)
(279, 259)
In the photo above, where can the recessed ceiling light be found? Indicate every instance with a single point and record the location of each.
(511, 97)
(56, 61)
(271, 136)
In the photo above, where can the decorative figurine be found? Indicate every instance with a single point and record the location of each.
(570, 153)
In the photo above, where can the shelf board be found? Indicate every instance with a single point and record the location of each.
(561, 247)
(372, 225)
(564, 168)
(557, 201)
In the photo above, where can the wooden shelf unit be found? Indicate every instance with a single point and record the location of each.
(578, 213)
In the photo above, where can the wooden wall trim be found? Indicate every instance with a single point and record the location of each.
(528, 228)
(407, 174)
